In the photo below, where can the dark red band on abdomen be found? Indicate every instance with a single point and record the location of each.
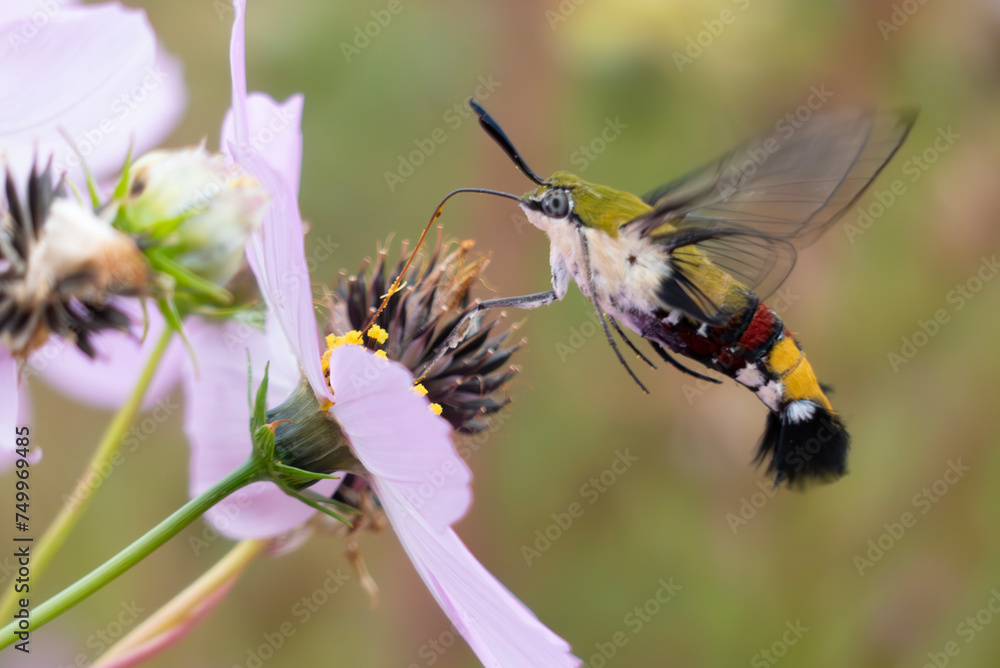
(761, 329)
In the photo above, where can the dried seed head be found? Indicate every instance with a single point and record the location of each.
(467, 384)
(60, 264)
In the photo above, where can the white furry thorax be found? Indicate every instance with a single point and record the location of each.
(626, 271)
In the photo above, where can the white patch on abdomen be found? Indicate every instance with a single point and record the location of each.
(800, 411)
(673, 317)
(750, 375)
(771, 394)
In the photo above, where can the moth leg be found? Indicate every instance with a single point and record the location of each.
(469, 323)
(603, 317)
(614, 346)
(667, 357)
(629, 343)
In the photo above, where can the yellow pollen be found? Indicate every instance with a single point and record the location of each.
(378, 333)
(327, 405)
(380, 354)
(420, 389)
(353, 337)
(393, 290)
(436, 409)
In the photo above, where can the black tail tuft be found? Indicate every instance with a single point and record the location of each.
(804, 451)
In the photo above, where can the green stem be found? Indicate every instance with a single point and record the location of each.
(251, 470)
(95, 473)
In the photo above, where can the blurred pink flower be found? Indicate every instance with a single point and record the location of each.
(96, 73)
(402, 445)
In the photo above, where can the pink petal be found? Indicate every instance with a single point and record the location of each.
(238, 73)
(29, 11)
(15, 411)
(108, 379)
(501, 630)
(396, 436)
(9, 400)
(274, 132)
(94, 71)
(173, 634)
(217, 422)
(276, 251)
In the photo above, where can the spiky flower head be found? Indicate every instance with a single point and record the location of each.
(60, 263)
(467, 383)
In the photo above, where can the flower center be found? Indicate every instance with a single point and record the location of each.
(356, 338)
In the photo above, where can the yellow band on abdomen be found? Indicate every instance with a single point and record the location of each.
(797, 376)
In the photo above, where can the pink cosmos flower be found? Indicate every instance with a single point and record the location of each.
(96, 74)
(404, 450)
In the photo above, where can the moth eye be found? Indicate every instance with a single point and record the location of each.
(556, 204)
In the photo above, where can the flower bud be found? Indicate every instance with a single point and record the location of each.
(309, 438)
(194, 207)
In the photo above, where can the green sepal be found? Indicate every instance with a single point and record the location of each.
(162, 229)
(168, 307)
(121, 189)
(145, 320)
(321, 507)
(184, 277)
(256, 421)
(289, 478)
(298, 477)
(326, 501)
(75, 191)
(263, 442)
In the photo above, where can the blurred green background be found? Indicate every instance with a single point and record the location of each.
(747, 565)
